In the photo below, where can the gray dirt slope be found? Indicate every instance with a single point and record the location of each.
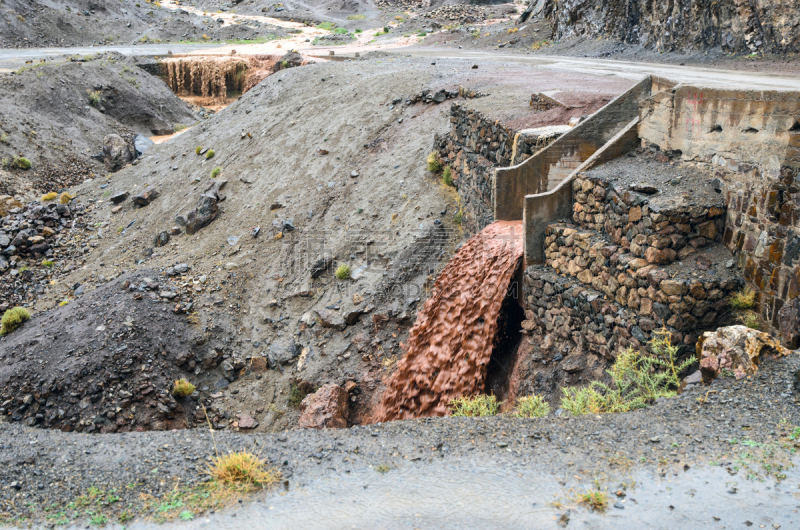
(47, 116)
(322, 163)
(41, 23)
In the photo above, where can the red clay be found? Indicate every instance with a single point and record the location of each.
(450, 345)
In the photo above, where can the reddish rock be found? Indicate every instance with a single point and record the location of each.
(738, 349)
(247, 422)
(325, 408)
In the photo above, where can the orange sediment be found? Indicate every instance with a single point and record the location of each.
(450, 344)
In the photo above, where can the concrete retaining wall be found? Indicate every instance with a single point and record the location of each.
(541, 209)
(727, 127)
(547, 168)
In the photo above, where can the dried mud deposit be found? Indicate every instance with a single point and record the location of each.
(450, 345)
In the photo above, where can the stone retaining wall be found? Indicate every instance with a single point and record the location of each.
(763, 232)
(473, 148)
(659, 235)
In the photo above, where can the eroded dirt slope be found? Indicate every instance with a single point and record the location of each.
(56, 113)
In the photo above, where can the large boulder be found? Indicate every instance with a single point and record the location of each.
(116, 152)
(325, 408)
(737, 349)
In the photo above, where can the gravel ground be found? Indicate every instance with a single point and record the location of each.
(744, 426)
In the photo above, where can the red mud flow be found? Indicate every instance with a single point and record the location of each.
(450, 345)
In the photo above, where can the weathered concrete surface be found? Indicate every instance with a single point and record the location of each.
(542, 209)
(726, 127)
(544, 170)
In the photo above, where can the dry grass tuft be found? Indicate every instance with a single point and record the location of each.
(475, 406)
(743, 300)
(242, 470)
(49, 196)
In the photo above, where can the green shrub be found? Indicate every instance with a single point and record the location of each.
(357, 31)
(531, 407)
(284, 64)
(183, 388)
(215, 173)
(94, 97)
(21, 162)
(343, 271)
(340, 31)
(433, 162)
(12, 319)
(637, 379)
(386, 29)
(198, 149)
(327, 26)
(447, 177)
(475, 406)
(209, 154)
(180, 127)
(49, 196)
(65, 197)
(48, 263)
(743, 299)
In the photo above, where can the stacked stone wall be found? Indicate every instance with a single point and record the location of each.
(763, 232)
(661, 236)
(473, 148)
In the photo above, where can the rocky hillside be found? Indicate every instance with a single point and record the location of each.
(737, 26)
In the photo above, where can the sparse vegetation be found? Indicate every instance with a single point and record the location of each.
(433, 162)
(21, 162)
(49, 196)
(242, 470)
(4, 138)
(447, 177)
(476, 33)
(475, 406)
(215, 172)
(94, 97)
(540, 44)
(327, 26)
(743, 299)
(183, 388)
(198, 149)
(383, 468)
(296, 396)
(531, 407)
(48, 263)
(340, 31)
(65, 197)
(356, 17)
(343, 271)
(752, 320)
(209, 154)
(62, 303)
(12, 319)
(180, 127)
(637, 379)
(594, 499)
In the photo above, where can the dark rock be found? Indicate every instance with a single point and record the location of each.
(116, 152)
(161, 239)
(321, 265)
(203, 215)
(331, 319)
(119, 197)
(146, 197)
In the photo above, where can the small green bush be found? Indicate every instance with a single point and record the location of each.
(340, 31)
(198, 149)
(531, 407)
(49, 196)
(21, 162)
(12, 319)
(386, 29)
(215, 173)
(209, 154)
(343, 271)
(357, 31)
(183, 388)
(48, 263)
(65, 197)
(447, 177)
(327, 26)
(433, 162)
(94, 97)
(475, 406)
(637, 379)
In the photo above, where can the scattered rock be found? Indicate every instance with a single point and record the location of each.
(331, 319)
(119, 197)
(161, 239)
(146, 197)
(325, 408)
(735, 348)
(116, 152)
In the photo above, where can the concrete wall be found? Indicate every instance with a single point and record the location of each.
(726, 127)
(547, 168)
(541, 209)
